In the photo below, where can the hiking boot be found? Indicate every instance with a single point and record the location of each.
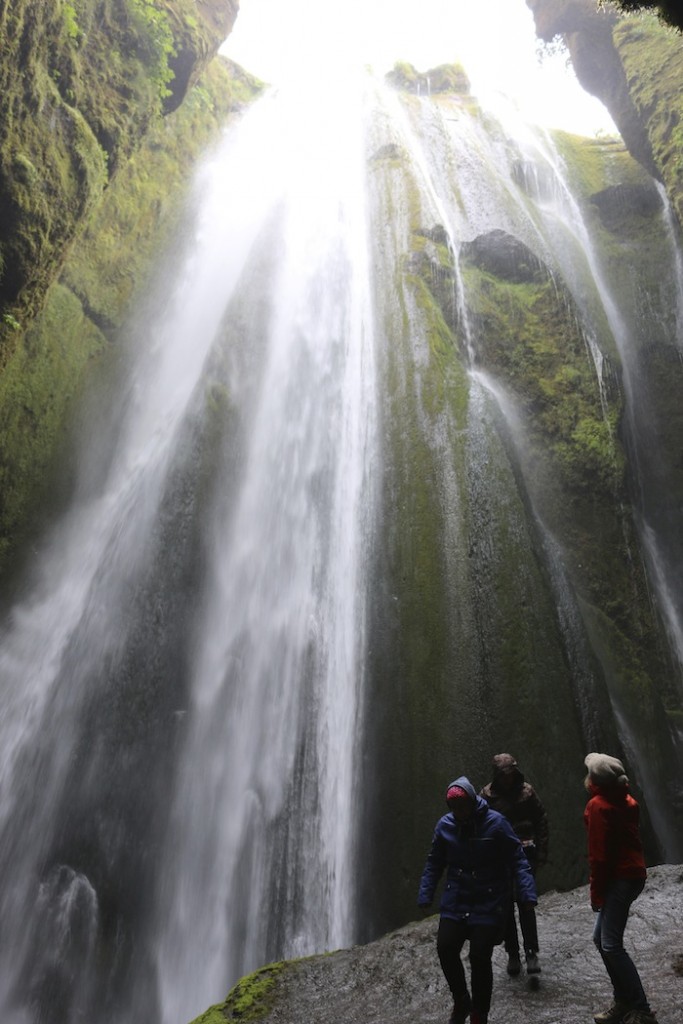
(615, 1015)
(532, 964)
(514, 965)
(459, 1016)
(640, 1017)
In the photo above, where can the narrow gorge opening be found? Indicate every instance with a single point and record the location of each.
(385, 480)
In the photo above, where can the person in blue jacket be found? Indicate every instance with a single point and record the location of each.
(482, 857)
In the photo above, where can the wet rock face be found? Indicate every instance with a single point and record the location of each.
(618, 202)
(194, 49)
(558, 17)
(590, 33)
(506, 257)
(78, 90)
(587, 31)
(398, 980)
(635, 67)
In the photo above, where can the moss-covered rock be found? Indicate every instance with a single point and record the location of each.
(652, 58)
(126, 233)
(80, 82)
(251, 999)
(506, 257)
(446, 78)
(116, 250)
(42, 377)
(465, 639)
(468, 657)
(635, 66)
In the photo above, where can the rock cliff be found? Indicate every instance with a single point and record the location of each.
(80, 83)
(634, 66)
(98, 132)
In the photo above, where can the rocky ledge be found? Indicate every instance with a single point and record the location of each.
(397, 980)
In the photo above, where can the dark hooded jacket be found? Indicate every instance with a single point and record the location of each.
(481, 857)
(521, 806)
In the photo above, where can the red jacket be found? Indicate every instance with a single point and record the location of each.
(614, 847)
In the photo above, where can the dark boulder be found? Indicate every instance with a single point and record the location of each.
(506, 257)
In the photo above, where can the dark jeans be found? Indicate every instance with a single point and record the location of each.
(527, 918)
(527, 922)
(450, 940)
(608, 936)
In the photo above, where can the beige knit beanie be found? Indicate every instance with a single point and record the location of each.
(605, 770)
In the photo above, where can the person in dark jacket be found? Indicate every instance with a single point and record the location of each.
(510, 794)
(617, 878)
(481, 855)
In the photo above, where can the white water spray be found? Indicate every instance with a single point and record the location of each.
(265, 805)
(271, 758)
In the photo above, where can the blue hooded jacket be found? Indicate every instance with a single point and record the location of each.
(482, 857)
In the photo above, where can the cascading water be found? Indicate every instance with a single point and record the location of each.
(462, 181)
(305, 567)
(257, 855)
(554, 225)
(279, 671)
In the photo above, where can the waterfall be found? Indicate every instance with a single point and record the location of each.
(306, 571)
(278, 680)
(256, 854)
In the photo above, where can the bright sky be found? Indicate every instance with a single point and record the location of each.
(494, 39)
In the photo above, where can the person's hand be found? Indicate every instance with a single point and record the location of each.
(595, 908)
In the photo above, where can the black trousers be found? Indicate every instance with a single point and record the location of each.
(527, 921)
(451, 937)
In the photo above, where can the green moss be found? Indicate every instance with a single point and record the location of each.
(214, 1015)
(623, 653)
(530, 339)
(594, 164)
(651, 56)
(128, 230)
(250, 999)
(112, 262)
(71, 26)
(154, 40)
(37, 389)
(80, 82)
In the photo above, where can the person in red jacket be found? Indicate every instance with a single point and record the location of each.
(617, 878)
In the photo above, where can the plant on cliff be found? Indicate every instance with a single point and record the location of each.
(73, 30)
(154, 39)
